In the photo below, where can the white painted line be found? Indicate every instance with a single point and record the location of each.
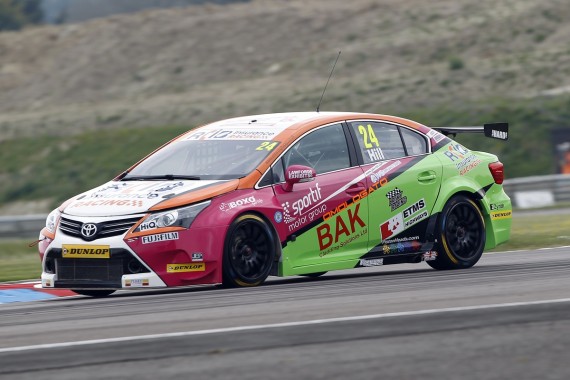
(526, 250)
(276, 325)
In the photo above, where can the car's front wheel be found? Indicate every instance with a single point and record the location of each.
(461, 235)
(249, 252)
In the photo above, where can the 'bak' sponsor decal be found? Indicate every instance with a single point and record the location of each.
(347, 228)
(85, 251)
(186, 267)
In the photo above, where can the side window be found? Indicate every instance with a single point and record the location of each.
(324, 150)
(416, 144)
(378, 141)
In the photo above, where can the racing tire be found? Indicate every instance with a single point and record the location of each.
(93, 293)
(249, 252)
(461, 235)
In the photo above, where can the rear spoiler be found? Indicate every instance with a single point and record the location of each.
(493, 130)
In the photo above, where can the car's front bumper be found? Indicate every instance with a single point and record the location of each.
(187, 257)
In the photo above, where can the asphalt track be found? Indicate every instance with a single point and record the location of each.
(506, 318)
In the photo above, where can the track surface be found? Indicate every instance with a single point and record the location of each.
(506, 318)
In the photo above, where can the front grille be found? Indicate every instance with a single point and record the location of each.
(90, 271)
(73, 272)
(104, 229)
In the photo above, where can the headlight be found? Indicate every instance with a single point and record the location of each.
(182, 217)
(52, 220)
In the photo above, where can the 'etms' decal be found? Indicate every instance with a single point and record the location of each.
(403, 220)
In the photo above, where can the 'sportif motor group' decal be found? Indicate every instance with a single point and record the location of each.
(308, 207)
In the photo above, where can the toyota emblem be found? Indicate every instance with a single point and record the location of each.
(89, 230)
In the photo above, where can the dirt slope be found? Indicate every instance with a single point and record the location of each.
(195, 64)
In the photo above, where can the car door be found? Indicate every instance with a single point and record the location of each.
(404, 180)
(325, 218)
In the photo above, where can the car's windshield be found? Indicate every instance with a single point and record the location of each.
(203, 159)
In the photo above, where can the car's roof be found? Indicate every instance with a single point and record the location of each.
(283, 126)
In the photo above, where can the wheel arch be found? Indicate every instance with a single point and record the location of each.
(442, 200)
(266, 220)
(459, 186)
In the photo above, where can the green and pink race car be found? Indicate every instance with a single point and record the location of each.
(238, 200)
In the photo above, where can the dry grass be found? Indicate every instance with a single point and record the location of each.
(186, 66)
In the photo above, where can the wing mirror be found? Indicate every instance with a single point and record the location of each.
(296, 174)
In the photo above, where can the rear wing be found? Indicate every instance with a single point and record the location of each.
(493, 130)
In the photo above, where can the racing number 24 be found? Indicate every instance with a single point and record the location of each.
(267, 145)
(368, 136)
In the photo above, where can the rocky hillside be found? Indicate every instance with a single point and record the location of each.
(200, 63)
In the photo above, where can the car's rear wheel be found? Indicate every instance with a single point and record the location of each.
(93, 293)
(249, 252)
(461, 235)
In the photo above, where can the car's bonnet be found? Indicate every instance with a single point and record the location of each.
(135, 197)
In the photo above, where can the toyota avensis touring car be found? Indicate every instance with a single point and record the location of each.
(237, 200)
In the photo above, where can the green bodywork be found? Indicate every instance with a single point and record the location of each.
(355, 232)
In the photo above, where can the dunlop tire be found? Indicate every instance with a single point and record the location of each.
(249, 252)
(461, 235)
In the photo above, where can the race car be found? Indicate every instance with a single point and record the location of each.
(238, 200)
